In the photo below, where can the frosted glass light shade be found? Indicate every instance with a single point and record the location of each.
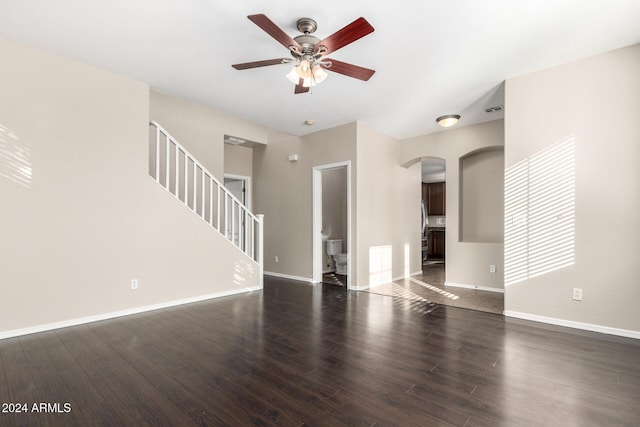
(310, 76)
(293, 76)
(319, 74)
(448, 120)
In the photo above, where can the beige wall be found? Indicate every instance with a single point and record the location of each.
(201, 129)
(238, 160)
(81, 217)
(385, 200)
(482, 196)
(466, 263)
(597, 101)
(283, 192)
(388, 201)
(88, 218)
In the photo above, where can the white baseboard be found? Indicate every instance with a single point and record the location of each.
(289, 276)
(114, 314)
(575, 325)
(476, 287)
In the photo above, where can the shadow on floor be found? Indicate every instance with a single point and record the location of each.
(334, 279)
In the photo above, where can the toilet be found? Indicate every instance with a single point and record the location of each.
(334, 249)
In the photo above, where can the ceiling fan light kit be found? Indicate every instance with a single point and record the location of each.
(311, 75)
(308, 51)
(448, 120)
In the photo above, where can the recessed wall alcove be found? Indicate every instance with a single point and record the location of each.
(482, 196)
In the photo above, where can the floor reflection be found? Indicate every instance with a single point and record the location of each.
(301, 354)
(430, 286)
(334, 279)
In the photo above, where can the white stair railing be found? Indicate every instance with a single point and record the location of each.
(171, 166)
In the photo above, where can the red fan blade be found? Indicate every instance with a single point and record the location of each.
(350, 70)
(274, 31)
(352, 32)
(300, 88)
(256, 64)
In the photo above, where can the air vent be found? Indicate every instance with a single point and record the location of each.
(495, 109)
(232, 140)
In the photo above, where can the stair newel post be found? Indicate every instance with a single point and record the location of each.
(260, 249)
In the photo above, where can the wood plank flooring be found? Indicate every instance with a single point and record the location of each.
(294, 354)
(429, 286)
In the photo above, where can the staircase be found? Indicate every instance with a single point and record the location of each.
(171, 166)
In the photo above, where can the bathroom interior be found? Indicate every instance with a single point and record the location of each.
(334, 226)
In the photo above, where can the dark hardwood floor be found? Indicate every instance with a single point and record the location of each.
(334, 279)
(295, 354)
(429, 287)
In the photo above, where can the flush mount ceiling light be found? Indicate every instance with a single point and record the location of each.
(448, 120)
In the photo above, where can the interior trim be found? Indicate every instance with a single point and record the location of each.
(476, 287)
(289, 276)
(112, 315)
(575, 325)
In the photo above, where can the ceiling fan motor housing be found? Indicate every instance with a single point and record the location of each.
(307, 42)
(307, 25)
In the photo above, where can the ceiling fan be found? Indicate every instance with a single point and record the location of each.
(309, 52)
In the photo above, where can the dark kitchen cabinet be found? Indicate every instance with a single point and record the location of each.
(436, 198)
(436, 243)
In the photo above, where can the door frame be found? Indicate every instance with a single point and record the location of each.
(317, 220)
(247, 186)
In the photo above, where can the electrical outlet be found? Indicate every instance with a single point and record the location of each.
(275, 258)
(134, 284)
(492, 268)
(577, 294)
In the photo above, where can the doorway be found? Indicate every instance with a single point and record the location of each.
(240, 187)
(434, 215)
(336, 227)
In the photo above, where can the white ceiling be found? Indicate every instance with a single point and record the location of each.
(431, 57)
